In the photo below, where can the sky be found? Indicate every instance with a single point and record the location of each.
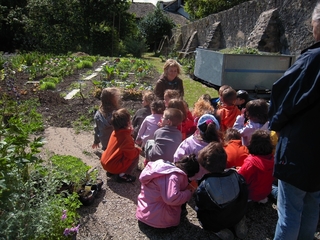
(154, 2)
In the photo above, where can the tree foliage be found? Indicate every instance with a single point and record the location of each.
(12, 13)
(60, 26)
(202, 8)
(154, 26)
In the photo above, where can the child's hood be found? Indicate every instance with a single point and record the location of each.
(157, 169)
(263, 162)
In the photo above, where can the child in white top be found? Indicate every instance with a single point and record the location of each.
(150, 123)
(257, 113)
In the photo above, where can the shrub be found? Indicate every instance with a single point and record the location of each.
(136, 46)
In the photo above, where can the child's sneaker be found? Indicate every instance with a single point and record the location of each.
(241, 228)
(264, 201)
(225, 234)
(126, 178)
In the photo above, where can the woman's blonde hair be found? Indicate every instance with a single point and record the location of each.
(171, 63)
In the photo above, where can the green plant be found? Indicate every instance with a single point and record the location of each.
(136, 46)
(188, 65)
(83, 123)
(84, 64)
(47, 86)
(124, 76)
(74, 168)
(240, 50)
(108, 71)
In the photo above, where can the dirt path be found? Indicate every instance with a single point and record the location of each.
(112, 215)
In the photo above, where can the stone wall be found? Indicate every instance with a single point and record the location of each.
(291, 17)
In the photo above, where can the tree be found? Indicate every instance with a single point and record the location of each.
(202, 8)
(154, 26)
(60, 26)
(12, 13)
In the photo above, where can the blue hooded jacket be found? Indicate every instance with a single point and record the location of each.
(295, 113)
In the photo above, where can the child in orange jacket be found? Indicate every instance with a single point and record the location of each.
(228, 111)
(121, 155)
(236, 152)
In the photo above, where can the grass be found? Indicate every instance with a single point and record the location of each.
(192, 89)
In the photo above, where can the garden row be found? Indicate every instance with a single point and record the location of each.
(39, 198)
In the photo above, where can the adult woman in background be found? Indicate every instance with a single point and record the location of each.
(169, 79)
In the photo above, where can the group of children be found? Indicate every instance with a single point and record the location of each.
(221, 152)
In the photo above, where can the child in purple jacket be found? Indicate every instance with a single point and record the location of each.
(208, 130)
(164, 188)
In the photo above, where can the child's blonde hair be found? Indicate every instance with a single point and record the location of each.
(148, 97)
(202, 107)
(172, 94)
(110, 100)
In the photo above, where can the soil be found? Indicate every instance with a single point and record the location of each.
(112, 214)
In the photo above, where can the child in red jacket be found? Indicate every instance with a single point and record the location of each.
(257, 168)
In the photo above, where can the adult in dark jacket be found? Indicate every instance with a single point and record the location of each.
(169, 79)
(294, 115)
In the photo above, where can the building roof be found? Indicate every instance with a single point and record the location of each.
(140, 10)
(177, 18)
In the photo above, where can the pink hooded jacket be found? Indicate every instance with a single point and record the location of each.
(163, 191)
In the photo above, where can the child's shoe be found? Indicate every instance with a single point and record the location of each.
(126, 178)
(241, 228)
(225, 234)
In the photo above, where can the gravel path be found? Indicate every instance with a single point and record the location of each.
(112, 215)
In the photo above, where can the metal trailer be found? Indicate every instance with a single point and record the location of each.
(253, 73)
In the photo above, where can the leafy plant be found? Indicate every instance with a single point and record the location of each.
(108, 71)
(240, 50)
(83, 123)
(75, 169)
(47, 86)
(84, 64)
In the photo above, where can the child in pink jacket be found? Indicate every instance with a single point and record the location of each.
(164, 188)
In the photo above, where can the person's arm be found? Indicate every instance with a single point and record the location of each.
(239, 123)
(181, 151)
(171, 192)
(181, 89)
(128, 148)
(295, 91)
(159, 89)
(96, 139)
